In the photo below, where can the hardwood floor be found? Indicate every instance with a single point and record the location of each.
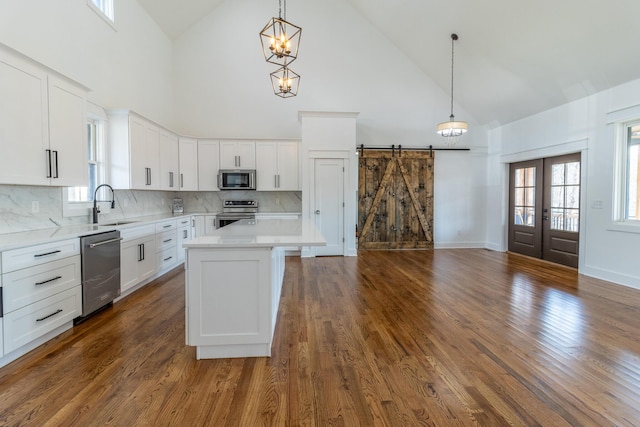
(437, 338)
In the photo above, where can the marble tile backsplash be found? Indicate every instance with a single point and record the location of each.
(18, 213)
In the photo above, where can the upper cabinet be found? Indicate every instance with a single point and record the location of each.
(277, 166)
(237, 155)
(188, 154)
(208, 164)
(169, 161)
(134, 151)
(42, 125)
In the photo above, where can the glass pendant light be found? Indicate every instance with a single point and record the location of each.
(452, 129)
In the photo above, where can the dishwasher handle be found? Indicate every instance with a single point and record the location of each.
(104, 242)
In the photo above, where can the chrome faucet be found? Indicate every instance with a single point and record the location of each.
(96, 209)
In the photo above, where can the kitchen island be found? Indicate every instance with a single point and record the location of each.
(233, 283)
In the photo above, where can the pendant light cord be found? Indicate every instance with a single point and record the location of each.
(454, 37)
(280, 9)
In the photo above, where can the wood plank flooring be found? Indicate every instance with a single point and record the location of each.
(407, 338)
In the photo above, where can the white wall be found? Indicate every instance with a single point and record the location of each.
(129, 67)
(580, 126)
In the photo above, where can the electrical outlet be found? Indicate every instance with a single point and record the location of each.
(35, 206)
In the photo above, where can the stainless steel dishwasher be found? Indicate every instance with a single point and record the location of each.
(100, 259)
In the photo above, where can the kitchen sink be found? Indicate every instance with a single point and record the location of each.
(113, 224)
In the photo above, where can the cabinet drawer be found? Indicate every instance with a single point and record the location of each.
(167, 258)
(132, 233)
(29, 285)
(33, 321)
(39, 254)
(165, 226)
(184, 222)
(166, 240)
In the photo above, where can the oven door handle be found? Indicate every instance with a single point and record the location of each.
(104, 242)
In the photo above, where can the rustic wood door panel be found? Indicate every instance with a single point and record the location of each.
(395, 200)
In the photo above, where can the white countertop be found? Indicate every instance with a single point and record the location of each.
(261, 232)
(22, 239)
(28, 238)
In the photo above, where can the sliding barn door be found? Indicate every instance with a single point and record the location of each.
(395, 206)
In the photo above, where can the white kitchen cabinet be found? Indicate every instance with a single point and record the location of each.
(237, 155)
(208, 164)
(166, 245)
(169, 161)
(134, 151)
(35, 320)
(277, 166)
(188, 159)
(209, 224)
(184, 234)
(137, 255)
(42, 292)
(42, 125)
(68, 133)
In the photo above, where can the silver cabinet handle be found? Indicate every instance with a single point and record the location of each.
(181, 180)
(104, 242)
(171, 179)
(317, 212)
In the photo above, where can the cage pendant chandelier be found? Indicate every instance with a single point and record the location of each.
(285, 82)
(452, 129)
(280, 39)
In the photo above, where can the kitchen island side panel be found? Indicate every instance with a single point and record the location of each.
(229, 302)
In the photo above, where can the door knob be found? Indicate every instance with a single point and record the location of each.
(317, 211)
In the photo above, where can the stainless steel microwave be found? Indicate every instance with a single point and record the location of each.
(237, 179)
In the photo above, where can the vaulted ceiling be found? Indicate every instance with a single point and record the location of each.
(514, 58)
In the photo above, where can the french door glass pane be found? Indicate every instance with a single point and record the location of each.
(573, 173)
(519, 178)
(557, 197)
(519, 197)
(530, 194)
(573, 197)
(557, 174)
(530, 177)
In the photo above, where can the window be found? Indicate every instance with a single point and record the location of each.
(104, 8)
(632, 205)
(85, 194)
(77, 200)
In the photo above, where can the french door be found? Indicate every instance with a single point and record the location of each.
(544, 208)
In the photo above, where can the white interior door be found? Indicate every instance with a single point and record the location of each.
(328, 204)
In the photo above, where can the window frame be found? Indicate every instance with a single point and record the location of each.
(74, 209)
(107, 13)
(621, 222)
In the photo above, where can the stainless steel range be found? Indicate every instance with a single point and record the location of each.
(235, 210)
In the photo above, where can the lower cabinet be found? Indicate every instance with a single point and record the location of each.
(41, 295)
(209, 224)
(166, 249)
(28, 323)
(184, 234)
(137, 256)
